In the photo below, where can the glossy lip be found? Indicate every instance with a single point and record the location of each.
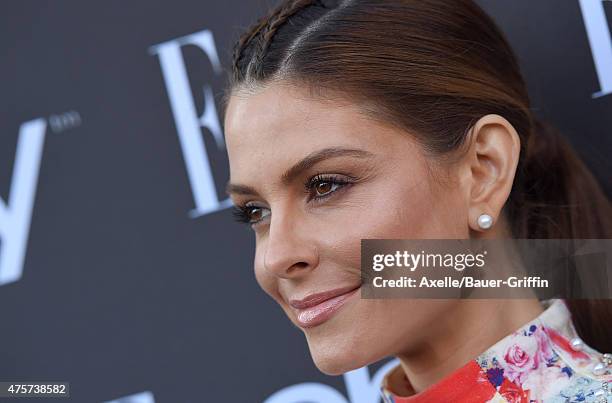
(318, 308)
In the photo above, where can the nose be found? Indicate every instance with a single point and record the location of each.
(290, 249)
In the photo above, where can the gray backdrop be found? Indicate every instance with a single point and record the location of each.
(121, 270)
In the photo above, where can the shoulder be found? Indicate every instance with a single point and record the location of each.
(547, 361)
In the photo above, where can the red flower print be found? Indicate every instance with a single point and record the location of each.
(519, 361)
(513, 393)
(517, 357)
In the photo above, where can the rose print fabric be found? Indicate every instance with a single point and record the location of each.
(534, 364)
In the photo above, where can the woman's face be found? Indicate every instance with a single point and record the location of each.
(370, 181)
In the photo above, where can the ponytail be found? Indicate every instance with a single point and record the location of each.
(556, 196)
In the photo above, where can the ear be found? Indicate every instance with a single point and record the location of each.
(491, 159)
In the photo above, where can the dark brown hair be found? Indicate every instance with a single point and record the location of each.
(433, 68)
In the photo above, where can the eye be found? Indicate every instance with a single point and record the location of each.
(323, 186)
(318, 187)
(249, 214)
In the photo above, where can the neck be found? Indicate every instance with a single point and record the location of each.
(472, 327)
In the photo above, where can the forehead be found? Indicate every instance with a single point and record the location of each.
(286, 113)
(277, 125)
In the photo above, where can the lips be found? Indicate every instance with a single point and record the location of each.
(318, 308)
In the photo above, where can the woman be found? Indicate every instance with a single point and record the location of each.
(409, 119)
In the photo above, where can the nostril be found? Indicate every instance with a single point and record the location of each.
(297, 267)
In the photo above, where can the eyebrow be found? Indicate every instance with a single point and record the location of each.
(304, 164)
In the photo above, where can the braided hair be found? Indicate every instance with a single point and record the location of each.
(251, 50)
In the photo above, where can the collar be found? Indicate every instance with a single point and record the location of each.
(534, 362)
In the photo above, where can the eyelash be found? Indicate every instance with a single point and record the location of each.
(241, 212)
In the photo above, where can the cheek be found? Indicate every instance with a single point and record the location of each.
(396, 208)
(418, 209)
(447, 217)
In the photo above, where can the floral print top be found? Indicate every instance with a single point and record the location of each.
(543, 361)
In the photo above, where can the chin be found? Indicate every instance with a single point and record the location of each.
(336, 359)
(335, 365)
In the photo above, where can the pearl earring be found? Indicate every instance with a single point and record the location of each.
(485, 221)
